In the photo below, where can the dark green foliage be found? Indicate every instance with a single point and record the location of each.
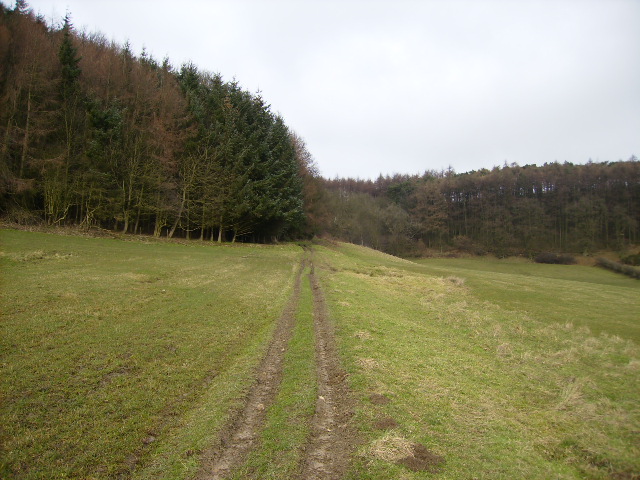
(250, 186)
(22, 6)
(619, 267)
(69, 60)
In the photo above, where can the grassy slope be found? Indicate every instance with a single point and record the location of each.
(555, 293)
(498, 390)
(121, 356)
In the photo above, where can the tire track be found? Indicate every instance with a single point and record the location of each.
(242, 434)
(333, 439)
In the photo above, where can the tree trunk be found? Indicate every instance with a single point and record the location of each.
(175, 224)
(135, 226)
(202, 226)
(5, 144)
(125, 209)
(25, 140)
(188, 227)
(157, 228)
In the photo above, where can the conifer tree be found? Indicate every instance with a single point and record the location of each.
(69, 59)
(59, 174)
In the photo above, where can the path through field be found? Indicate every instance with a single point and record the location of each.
(241, 435)
(331, 441)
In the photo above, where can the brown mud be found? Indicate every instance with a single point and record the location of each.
(379, 399)
(333, 439)
(386, 423)
(422, 460)
(241, 435)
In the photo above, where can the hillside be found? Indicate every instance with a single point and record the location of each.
(513, 210)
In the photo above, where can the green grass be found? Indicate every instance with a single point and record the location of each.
(125, 357)
(605, 302)
(498, 391)
(287, 424)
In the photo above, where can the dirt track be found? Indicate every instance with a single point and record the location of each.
(332, 438)
(241, 435)
(331, 443)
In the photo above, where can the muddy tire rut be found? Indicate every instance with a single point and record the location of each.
(241, 435)
(332, 439)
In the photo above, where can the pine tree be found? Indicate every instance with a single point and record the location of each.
(59, 178)
(22, 7)
(69, 59)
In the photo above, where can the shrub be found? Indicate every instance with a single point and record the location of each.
(618, 267)
(548, 257)
(633, 260)
(21, 216)
(465, 244)
(566, 259)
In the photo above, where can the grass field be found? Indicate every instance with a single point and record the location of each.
(605, 302)
(125, 358)
(481, 363)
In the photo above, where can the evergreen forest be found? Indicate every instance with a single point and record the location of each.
(96, 136)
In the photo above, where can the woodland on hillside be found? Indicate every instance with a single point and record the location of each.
(511, 210)
(95, 136)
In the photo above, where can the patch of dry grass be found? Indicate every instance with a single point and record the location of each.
(457, 281)
(363, 335)
(368, 363)
(35, 255)
(391, 447)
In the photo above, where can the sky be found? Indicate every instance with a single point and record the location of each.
(407, 86)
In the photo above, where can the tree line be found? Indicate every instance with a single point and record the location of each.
(93, 135)
(505, 211)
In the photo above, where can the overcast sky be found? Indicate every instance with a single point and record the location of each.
(402, 86)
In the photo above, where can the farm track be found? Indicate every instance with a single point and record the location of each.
(242, 434)
(333, 439)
